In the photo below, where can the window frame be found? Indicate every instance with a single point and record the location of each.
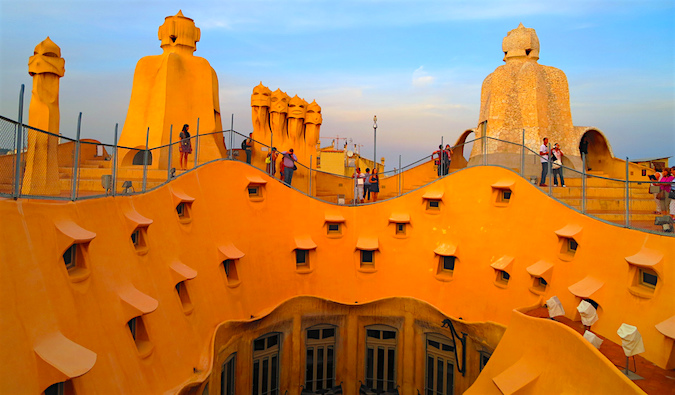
(268, 353)
(389, 347)
(641, 278)
(337, 231)
(328, 360)
(448, 358)
(433, 204)
(231, 365)
(365, 262)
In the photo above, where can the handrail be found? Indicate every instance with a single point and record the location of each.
(111, 152)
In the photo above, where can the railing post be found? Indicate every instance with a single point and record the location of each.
(583, 184)
(197, 144)
(310, 175)
(114, 164)
(231, 136)
(522, 156)
(441, 153)
(271, 146)
(627, 196)
(550, 171)
(145, 159)
(400, 176)
(73, 192)
(484, 143)
(19, 147)
(168, 170)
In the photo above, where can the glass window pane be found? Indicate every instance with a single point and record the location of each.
(373, 333)
(329, 367)
(649, 278)
(230, 381)
(300, 256)
(380, 368)
(430, 375)
(451, 379)
(370, 360)
(313, 334)
(391, 369)
(319, 368)
(272, 341)
(259, 345)
(265, 375)
(439, 377)
(274, 375)
(449, 262)
(328, 333)
(256, 377)
(388, 335)
(309, 371)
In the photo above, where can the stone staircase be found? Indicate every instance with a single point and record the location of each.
(92, 170)
(606, 199)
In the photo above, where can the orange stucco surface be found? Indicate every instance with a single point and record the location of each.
(91, 306)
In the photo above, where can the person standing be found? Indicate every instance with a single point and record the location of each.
(543, 153)
(366, 185)
(271, 161)
(447, 159)
(557, 165)
(185, 147)
(583, 150)
(289, 165)
(439, 161)
(358, 185)
(663, 195)
(672, 201)
(375, 184)
(246, 146)
(656, 177)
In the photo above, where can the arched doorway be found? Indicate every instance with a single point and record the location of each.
(139, 158)
(599, 154)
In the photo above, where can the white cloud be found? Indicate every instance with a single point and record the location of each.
(421, 78)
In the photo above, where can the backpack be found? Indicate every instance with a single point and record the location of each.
(244, 145)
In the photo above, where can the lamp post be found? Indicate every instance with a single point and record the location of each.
(375, 141)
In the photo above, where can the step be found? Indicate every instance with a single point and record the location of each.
(101, 163)
(130, 173)
(95, 185)
(619, 216)
(595, 192)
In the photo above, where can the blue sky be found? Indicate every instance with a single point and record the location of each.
(418, 65)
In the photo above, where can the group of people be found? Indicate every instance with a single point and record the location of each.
(287, 165)
(664, 189)
(556, 156)
(443, 159)
(365, 185)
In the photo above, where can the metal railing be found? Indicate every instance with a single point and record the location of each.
(78, 168)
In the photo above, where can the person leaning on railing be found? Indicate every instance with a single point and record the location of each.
(289, 160)
(672, 192)
(654, 189)
(665, 187)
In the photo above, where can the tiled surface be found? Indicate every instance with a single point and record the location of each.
(656, 381)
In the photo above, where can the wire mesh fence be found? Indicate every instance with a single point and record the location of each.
(45, 165)
(8, 157)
